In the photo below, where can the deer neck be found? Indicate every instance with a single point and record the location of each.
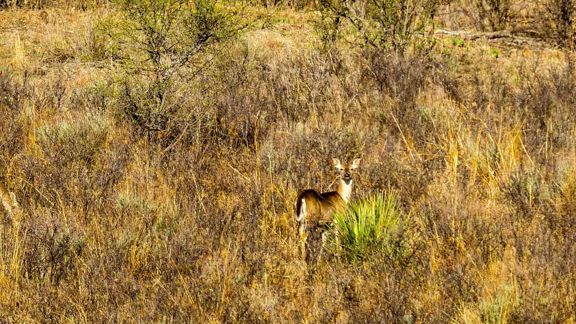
(344, 189)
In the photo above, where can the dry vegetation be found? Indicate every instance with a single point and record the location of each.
(142, 185)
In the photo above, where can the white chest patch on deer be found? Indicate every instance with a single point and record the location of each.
(345, 189)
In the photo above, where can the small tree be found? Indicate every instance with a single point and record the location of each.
(491, 15)
(161, 41)
(560, 22)
(396, 43)
(558, 26)
(400, 26)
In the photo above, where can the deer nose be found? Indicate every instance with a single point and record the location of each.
(346, 175)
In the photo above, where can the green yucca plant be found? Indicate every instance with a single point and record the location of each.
(368, 225)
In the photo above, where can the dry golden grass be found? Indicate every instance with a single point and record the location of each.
(194, 223)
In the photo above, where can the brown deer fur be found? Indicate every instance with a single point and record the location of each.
(317, 209)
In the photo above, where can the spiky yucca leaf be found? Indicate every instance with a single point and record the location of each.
(366, 226)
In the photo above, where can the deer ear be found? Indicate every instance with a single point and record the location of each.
(355, 164)
(337, 163)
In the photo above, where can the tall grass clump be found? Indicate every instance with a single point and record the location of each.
(369, 226)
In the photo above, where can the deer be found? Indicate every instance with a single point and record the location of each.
(9, 203)
(315, 209)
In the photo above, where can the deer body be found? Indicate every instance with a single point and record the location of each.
(316, 209)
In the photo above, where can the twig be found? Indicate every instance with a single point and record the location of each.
(475, 35)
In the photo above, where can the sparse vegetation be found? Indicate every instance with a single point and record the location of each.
(403, 27)
(492, 15)
(144, 179)
(558, 26)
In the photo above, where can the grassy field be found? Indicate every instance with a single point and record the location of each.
(150, 179)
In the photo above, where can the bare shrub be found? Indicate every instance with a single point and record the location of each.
(51, 252)
(526, 192)
(558, 25)
(489, 15)
(13, 93)
(298, 4)
(400, 26)
(39, 4)
(12, 97)
(546, 99)
(69, 151)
